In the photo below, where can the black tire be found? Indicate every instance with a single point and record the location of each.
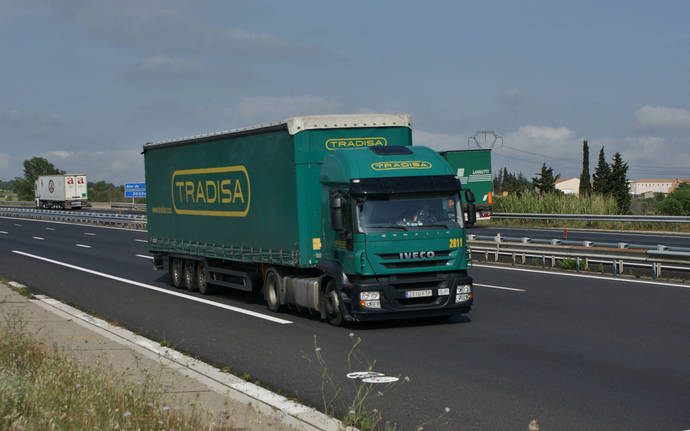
(189, 275)
(175, 272)
(272, 291)
(334, 313)
(202, 279)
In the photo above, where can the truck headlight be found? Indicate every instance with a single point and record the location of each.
(370, 299)
(463, 293)
(369, 296)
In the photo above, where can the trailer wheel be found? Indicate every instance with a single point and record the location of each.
(202, 279)
(175, 272)
(189, 275)
(271, 291)
(334, 314)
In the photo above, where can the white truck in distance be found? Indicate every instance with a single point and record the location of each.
(61, 191)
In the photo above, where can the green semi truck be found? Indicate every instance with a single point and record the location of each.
(339, 215)
(473, 168)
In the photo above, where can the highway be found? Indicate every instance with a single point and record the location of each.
(573, 352)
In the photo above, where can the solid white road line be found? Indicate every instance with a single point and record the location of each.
(491, 286)
(145, 256)
(83, 245)
(159, 289)
(38, 237)
(140, 240)
(3, 232)
(566, 274)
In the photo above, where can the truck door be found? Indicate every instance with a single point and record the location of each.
(70, 188)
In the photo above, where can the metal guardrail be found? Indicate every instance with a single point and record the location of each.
(112, 219)
(141, 207)
(594, 217)
(582, 254)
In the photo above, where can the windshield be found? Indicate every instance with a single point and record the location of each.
(409, 212)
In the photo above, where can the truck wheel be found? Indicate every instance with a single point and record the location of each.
(271, 291)
(189, 275)
(334, 314)
(201, 279)
(175, 272)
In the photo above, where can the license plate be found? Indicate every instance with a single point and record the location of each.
(417, 293)
(443, 291)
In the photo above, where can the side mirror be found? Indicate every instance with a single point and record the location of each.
(471, 213)
(336, 204)
(469, 196)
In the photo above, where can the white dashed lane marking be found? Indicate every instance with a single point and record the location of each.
(140, 240)
(89, 233)
(83, 245)
(38, 237)
(491, 286)
(144, 256)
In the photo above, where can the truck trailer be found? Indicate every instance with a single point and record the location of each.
(67, 191)
(473, 167)
(339, 215)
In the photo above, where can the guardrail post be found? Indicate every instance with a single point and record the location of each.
(653, 270)
(543, 262)
(513, 256)
(614, 267)
(577, 264)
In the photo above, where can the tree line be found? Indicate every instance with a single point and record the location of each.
(100, 191)
(609, 179)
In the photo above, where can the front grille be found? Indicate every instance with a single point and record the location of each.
(415, 264)
(393, 260)
(396, 256)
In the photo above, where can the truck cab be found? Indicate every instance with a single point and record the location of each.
(393, 235)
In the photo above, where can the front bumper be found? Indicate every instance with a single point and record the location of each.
(395, 303)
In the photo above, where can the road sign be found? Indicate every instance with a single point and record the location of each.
(135, 186)
(135, 193)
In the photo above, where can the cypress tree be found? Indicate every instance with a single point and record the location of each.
(545, 181)
(602, 175)
(585, 185)
(619, 184)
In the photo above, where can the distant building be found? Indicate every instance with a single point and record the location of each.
(647, 187)
(569, 186)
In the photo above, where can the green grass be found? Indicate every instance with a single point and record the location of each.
(41, 388)
(533, 203)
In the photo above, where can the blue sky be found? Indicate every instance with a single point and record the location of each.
(86, 83)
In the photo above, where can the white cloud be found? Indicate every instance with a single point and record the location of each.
(117, 167)
(175, 26)
(662, 116)
(438, 141)
(542, 134)
(278, 108)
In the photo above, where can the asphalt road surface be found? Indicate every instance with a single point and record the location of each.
(573, 352)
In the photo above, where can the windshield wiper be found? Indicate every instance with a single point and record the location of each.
(445, 226)
(385, 226)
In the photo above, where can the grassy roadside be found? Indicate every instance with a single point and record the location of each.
(42, 388)
(576, 224)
